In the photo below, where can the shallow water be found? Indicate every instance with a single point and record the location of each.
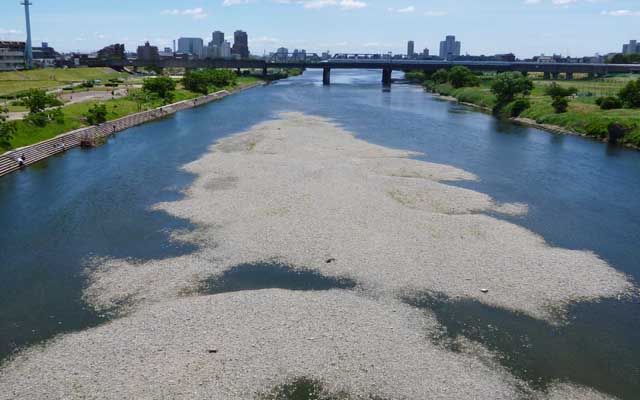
(581, 194)
(271, 276)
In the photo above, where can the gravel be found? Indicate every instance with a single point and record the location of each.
(300, 191)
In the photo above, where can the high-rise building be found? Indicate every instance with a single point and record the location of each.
(632, 48)
(192, 46)
(148, 52)
(217, 38)
(425, 52)
(282, 54)
(449, 48)
(411, 49)
(240, 44)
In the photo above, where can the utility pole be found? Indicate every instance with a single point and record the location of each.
(28, 51)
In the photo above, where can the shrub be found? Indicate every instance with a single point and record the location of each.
(630, 94)
(518, 107)
(415, 76)
(7, 129)
(87, 84)
(39, 119)
(96, 114)
(560, 104)
(609, 103)
(37, 100)
(440, 76)
(162, 86)
(507, 86)
(462, 77)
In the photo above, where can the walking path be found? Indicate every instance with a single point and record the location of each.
(40, 151)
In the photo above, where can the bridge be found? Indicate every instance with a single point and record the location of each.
(387, 66)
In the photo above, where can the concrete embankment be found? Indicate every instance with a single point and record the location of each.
(42, 150)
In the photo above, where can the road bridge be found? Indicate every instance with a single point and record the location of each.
(387, 66)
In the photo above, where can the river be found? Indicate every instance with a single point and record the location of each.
(60, 214)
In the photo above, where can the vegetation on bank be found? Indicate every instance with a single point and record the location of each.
(51, 122)
(571, 105)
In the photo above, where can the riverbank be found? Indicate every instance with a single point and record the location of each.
(60, 143)
(583, 117)
(302, 192)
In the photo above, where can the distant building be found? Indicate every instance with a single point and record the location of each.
(168, 50)
(148, 52)
(11, 55)
(425, 52)
(222, 50)
(112, 52)
(217, 38)
(240, 44)
(632, 48)
(411, 49)
(282, 54)
(299, 55)
(191, 46)
(45, 56)
(450, 48)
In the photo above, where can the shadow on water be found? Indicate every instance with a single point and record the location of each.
(599, 345)
(304, 388)
(271, 276)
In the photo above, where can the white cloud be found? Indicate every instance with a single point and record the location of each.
(408, 9)
(317, 4)
(621, 13)
(435, 13)
(227, 3)
(196, 13)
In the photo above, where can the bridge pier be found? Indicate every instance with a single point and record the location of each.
(386, 77)
(569, 76)
(326, 76)
(547, 76)
(555, 75)
(265, 71)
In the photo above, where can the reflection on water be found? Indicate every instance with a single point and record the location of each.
(581, 194)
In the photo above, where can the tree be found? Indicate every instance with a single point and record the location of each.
(509, 85)
(440, 76)
(141, 97)
(609, 103)
(559, 95)
(206, 80)
(162, 86)
(462, 76)
(630, 94)
(96, 114)
(7, 129)
(38, 100)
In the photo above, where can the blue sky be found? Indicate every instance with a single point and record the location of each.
(526, 27)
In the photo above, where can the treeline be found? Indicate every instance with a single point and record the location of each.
(624, 59)
(206, 81)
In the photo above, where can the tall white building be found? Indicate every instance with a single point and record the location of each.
(11, 55)
(450, 48)
(193, 46)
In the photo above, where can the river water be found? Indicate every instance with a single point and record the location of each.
(59, 215)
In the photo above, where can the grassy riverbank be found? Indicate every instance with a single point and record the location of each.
(582, 117)
(74, 115)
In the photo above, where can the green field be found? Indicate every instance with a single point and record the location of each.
(583, 115)
(16, 81)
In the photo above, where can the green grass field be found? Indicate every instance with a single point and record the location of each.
(17, 81)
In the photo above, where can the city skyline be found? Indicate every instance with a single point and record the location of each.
(527, 27)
